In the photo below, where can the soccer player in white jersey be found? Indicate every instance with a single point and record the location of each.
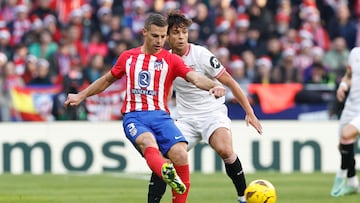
(203, 118)
(346, 181)
(150, 71)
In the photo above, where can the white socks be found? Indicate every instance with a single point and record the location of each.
(353, 181)
(241, 199)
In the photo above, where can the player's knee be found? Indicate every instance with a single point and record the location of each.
(349, 134)
(178, 155)
(225, 152)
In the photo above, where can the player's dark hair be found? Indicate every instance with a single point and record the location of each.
(177, 19)
(155, 19)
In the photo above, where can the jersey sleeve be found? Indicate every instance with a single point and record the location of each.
(118, 69)
(210, 64)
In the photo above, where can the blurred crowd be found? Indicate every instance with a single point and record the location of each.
(73, 42)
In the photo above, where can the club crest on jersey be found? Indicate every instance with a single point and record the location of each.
(158, 65)
(214, 62)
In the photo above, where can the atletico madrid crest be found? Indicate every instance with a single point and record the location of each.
(158, 65)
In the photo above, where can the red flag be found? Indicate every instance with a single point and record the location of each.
(275, 98)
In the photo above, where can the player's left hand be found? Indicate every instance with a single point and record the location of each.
(217, 91)
(253, 120)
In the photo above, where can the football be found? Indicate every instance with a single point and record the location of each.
(260, 191)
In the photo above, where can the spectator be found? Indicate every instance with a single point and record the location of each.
(264, 73)
(42, 73)
(205, 20)
(104, 16)
(137, 18)
(255, 43)
(287, 72)
(76, 46)
(65, 9)
(194, 34)
(319, 34)
(5, 43)
(51, 24)
(60, 62)
(240, 34)
(30, 69)
(19, 59)
(274, 50)
(290, 39)
(318, 75)
(342, 25)
(43, 8)
(46, 46)
(8, 10)
(11, 78)
(223, 55)
(249, 59)
(96, 46)
(305, 56)
(223, 33)
(95, 68)
(20, 25)
(33, 35)
(238, 72)
(115, 51)
(262, 19)
(282, 23)
(88, 23)
(336, 57)
(115, 32)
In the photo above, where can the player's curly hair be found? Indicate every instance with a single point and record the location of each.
(177, 19)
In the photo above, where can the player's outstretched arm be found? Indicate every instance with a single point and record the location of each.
(94, 88)
(205, 83)
(250, 118)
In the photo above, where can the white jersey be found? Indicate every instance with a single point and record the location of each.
(351, 111)
(191, 100)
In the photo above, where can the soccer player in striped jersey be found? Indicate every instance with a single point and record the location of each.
(346, 181)
(203, 118)
(150, 71)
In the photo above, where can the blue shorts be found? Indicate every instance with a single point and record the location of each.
(159, 123)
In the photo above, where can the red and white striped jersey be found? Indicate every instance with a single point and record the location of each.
(148, 78)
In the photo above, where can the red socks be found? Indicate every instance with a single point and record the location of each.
(154, 160)
(184, 173)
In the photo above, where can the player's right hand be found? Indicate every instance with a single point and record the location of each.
(218, 91)
(253, 120)
(72, 100)
(341, 93)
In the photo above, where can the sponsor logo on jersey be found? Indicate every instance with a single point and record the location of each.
(144, 92)
(214, 62)
(144, 79)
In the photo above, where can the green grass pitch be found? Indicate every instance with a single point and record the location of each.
(132, 188)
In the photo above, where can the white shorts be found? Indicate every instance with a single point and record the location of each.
(199, 128)
(349, 117)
